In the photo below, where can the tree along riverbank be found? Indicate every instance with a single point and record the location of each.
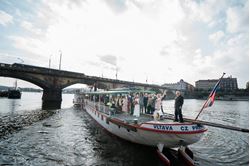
(236, 95)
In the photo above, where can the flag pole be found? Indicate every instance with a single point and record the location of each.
(217, 84)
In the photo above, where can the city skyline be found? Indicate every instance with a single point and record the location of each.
(158, 41)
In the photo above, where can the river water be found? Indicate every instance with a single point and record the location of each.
(69, 137)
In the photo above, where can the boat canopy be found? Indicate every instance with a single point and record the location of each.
(118, 92)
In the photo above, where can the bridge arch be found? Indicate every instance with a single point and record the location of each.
(52, 96)
(71, 82)
(99, 85)
(28, 78)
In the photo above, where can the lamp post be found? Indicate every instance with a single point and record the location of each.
(116, 72)
(50, 60)
(15, 84)
(60, 59)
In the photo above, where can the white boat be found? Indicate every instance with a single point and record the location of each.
(145, 130)
(141, 130)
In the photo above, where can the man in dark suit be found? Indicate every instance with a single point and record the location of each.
(179, 100)
(145, 102)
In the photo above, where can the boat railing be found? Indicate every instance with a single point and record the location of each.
(101, 107)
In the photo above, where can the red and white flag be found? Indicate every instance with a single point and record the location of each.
(209, 102)
(211, 97)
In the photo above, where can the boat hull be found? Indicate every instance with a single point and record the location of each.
(150, 133)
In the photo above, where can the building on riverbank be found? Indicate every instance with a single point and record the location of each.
(227, 84)
(181, 85)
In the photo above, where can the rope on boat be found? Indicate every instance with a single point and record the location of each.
(171, 116)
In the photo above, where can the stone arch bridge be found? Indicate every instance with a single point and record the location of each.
(52, 81)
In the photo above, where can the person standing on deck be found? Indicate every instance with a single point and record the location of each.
(124, 104)
(131, 104)
(119, 103)
(106, 99)
(158, 102)
(141, 103)
(153, 104)
(149, 104)
(136, 106)
(158, 106)
(145, 102)
(179, 100)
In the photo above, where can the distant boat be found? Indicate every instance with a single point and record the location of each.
(14, 93)
(4, 93)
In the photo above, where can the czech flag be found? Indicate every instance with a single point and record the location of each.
(211, 97)
(209, 102)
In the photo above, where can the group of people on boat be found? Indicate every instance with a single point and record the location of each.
(142, 103)
(136, 104)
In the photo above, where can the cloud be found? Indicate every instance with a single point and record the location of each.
(217, 36)
(102, 66)
(232, 58)
(30, 28)
(7, 58)
(69, 4)
(32, 46)
(163, 40)
(117, 6)
(237, 18)
(204, 11)
(5, 18)
(110, 59)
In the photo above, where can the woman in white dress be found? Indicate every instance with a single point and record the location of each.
(124, 104)
(158, 104)
(137, 106)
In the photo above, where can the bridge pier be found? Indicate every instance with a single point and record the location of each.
(52, 99)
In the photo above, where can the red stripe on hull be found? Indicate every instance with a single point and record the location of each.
(173, 132)
(173, 124)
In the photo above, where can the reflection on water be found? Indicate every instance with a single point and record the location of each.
(30, 101)
(13, 105)
(70, 137)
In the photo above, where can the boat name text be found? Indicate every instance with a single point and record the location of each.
(163, 127)
(178, 128)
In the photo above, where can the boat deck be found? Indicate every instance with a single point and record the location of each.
(130, 119)
(126, 117)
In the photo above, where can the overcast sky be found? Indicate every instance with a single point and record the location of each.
(162, 41)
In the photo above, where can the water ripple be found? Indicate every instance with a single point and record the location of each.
(70, 137)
